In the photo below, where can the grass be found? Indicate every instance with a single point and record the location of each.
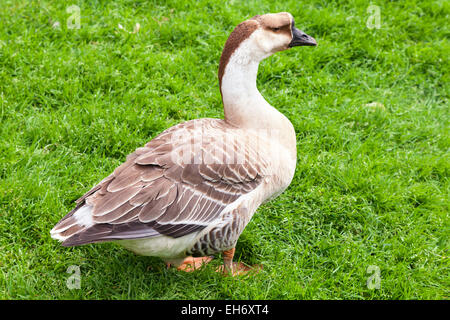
(370, 108)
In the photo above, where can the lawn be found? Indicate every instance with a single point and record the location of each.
(367, 214)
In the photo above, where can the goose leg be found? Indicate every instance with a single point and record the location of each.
(228, 261)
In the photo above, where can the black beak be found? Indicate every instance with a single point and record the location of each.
(299, 38)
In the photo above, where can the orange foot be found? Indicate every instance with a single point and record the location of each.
(235, 268)
(239, 269)
(190, 263)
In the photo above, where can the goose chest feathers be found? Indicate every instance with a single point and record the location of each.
(191, 191)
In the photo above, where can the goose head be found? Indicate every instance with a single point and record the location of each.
(277, 32)
(261, 36)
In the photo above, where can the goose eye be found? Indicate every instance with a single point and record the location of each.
(276, 29)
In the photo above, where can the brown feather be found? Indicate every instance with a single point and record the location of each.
(113, 200)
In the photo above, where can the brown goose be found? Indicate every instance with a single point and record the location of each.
(191, 191)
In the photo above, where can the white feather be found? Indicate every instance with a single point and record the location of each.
(83, 216)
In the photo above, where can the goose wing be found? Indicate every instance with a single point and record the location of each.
(177, 184)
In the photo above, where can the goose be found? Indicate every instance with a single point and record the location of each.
(189, 193)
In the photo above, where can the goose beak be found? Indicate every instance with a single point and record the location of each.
(299, 38)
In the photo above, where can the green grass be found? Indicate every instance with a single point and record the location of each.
(371, 185)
